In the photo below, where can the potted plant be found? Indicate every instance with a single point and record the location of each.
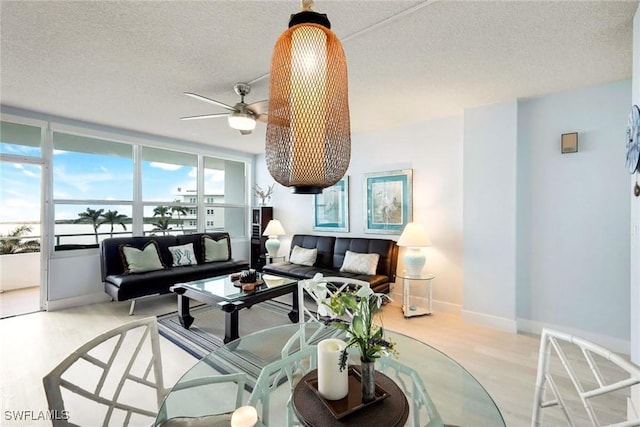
(361, 331)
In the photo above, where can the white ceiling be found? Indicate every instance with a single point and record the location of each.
(127, 63)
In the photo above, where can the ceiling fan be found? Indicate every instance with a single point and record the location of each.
(241, 116)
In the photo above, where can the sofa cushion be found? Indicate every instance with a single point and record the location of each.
(359, 263)
(303, 256)
(140, 261)
(324, 245)
(215, 250)
(183, 255)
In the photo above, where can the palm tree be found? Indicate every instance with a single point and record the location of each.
(179, 210)
(91, 216)
(162, 225)
(14, 243)
(113, 217)
(163, 211)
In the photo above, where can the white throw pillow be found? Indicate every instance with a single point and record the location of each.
(303, 256)
(215, 250)
(140, 261)
(183, 255)
(358, 263)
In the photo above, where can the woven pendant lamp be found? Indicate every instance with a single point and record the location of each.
(308, 144)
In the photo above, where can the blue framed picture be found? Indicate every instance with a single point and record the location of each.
(388, 201)
(331, 207)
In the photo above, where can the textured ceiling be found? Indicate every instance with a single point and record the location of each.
(127, 63)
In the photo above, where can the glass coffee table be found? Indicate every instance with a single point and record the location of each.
(221, 292)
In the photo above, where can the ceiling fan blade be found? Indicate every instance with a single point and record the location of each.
(210, 101)
(246, 132)
(204, 116)
(260, 107)
(262, 118)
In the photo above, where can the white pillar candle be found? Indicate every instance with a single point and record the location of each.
(244, 416)
(333, 384)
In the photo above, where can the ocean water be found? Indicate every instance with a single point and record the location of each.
(67, 234)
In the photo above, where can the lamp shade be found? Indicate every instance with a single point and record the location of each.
(414, 236)
(274, 228)
(308, 140)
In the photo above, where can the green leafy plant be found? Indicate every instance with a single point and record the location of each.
(362, 332)
(14, 242)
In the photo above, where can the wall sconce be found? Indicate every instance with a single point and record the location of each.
(569, 143)
(308, 143)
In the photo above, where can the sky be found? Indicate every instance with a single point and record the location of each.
(82, 176)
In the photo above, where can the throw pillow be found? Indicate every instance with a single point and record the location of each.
(215, 250)
(139, 261)
(303, 256)
(183, 255)
(358, 263)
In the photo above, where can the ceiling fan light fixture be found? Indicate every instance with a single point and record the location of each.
(241, 121)
(308, 141)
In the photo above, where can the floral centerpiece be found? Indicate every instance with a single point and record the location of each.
(362, 332)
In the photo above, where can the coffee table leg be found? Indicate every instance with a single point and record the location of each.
(294, 313)
(183, 311)
(231, 330)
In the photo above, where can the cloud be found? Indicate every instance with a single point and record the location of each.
(84, 182)
(165, 166)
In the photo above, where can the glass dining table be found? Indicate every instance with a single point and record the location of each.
(459, 398)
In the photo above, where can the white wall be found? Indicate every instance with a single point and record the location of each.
(635, 214)
(18, 271)
(575, 234)
(490, 170)
(635, 228)
(433, 149)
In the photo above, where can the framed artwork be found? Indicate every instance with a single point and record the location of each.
(388, 201)
(331, 207)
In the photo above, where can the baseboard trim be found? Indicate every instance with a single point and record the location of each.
(490, 321)
(61, 304)
(439, 306)
(614, 344)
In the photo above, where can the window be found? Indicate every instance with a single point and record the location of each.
(92, 190)
(193, 223)
(193, 211)
(228, 219)
(79, 226)
(209, 223)
(210, 211)
(168, 176)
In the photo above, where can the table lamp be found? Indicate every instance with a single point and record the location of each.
(273, 230)
(413, 238)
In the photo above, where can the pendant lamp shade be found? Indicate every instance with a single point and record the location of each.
(308, 143)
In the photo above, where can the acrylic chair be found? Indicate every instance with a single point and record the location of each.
(111, 371)
(413, 387)
(274, 374)
(318, 289)
(586, 388)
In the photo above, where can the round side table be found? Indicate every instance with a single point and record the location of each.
(390, 412)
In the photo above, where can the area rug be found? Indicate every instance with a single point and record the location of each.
(207, 330)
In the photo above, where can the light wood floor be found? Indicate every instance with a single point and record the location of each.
(19, 301)
(504, 363)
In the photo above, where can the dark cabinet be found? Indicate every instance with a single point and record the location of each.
(260, 217)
